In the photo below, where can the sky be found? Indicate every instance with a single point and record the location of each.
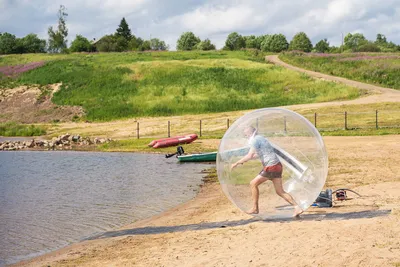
(213, 19)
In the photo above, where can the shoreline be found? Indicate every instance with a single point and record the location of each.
(203, 172)
(209, 231)
(92, 238)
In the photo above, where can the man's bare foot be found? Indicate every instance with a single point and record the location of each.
(252, 211)
(297, 211)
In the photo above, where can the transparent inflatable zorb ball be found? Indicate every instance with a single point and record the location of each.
(297, 145)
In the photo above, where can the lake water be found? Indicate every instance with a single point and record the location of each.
(51, 199)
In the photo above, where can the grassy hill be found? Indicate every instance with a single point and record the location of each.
(123, 85)
(381, 69)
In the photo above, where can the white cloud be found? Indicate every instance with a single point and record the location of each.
(213, 19)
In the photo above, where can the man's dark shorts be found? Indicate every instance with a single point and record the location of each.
(274, 171)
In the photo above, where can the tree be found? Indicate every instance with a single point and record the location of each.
(383, 45)
(187, 41)
(259, 40)
(80, 44)
(322, 46)
(274, 43)
(380, 39)
(157, 44)
(234, 41)
(369, 47)
(58, 39)
(301, 42)
(32, 44)
(335, 50)
(123, 30)
(354, 41)
(146, 45)
(135, 43)
(205, 45)
(107, 43)
(250, 41)
(8, 43)
(122, 44)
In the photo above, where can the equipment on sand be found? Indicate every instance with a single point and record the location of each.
(179, 151)
(325, 198)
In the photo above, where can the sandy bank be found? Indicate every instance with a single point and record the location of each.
(210, 231)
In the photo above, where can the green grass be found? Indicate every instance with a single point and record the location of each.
(377, 68)
(358, 116)
(124, 85)
(131, 57)
(141, 145)
(14, 129)
(361, 132)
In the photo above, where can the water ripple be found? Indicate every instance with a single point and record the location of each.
(51, 199)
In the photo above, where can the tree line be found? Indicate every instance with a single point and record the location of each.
(277, 43)
(121, 40)
(124, 40)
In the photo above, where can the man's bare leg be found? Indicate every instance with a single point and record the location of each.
(286, 196)
(255, 193)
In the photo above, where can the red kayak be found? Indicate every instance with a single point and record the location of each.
(152, 143)
(173, 141)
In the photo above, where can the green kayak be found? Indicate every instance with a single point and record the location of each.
(212, 156)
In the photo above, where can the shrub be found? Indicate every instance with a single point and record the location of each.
(301, 42)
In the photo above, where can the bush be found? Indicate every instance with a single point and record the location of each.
(8, 43)
(14, 129)
(80, 44)
(369, 47)
(234, 41)
(301, 42)
(322, 46)
(205, 45)
(187, 41)
(354, 41)
(158, 45)
(250, 41)
(274, 43)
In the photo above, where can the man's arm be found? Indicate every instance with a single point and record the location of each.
(252, 154)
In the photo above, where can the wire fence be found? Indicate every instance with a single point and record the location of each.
(216, 127)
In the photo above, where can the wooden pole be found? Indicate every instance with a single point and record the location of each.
(315, 119)
(284, 122)
(345, 120)
(376, 119)
(200, 128)
(169, 129)
(137, 130)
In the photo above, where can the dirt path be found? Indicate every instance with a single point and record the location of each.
(379, 94)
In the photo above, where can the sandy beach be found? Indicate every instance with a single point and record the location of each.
(210, 231)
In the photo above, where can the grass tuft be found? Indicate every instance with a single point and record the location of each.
(14, 129)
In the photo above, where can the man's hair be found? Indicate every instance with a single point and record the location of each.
(251, 129)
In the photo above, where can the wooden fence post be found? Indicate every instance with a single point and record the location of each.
(376, 119)
(200, 128)
(284, 122)
(169, 130)
(137, 129)
(315, 119)
(227, 123)
(345, 120)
